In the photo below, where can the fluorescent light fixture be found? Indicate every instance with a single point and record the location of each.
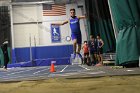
(31, 3)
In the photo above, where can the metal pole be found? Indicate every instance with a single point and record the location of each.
(12, 34)
(113, 23)
(30, 47)
(35, 47)
(34, 40)
(83, 13)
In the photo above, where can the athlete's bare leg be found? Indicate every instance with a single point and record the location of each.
(74, 45)
(79, 48)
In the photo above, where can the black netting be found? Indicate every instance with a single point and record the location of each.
(4, 24)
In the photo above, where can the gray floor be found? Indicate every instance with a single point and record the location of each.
(67, 71)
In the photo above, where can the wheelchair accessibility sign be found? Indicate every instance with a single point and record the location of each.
(55, 34)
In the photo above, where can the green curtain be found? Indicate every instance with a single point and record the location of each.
(126, 15)
(2, 57)
(100, 23)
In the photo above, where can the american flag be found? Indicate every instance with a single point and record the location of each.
(54, 10)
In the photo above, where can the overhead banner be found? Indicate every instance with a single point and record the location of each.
(55, 34)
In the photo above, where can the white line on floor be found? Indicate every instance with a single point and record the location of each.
(84, 67)
(129, 70)
(25, 77)
(23, 71)
(40, 71)
(98, 72)
(64, 68)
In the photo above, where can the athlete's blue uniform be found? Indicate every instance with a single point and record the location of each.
(92, 46)
(99, 50)
(75, 29)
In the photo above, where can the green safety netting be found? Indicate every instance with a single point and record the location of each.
(126, 16)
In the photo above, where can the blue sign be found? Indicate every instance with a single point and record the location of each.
(55, 34)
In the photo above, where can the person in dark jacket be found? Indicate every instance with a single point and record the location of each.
(93, 49)
(5, 53)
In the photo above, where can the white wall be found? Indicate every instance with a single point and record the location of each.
(23, 33)
(24, 14)
(4, 2)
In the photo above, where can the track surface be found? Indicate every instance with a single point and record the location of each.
(68, 71)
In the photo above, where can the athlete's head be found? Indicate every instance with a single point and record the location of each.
(72, 12)
(91, 37)
(85, 42)
(98, 36)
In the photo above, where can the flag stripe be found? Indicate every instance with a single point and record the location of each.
(61, 6)
(55, 10)
(54, 14)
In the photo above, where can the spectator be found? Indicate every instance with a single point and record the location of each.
(5, 53)
(86, 52)
(100, 45)
(92, 48)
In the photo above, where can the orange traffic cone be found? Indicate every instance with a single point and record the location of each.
(52, 69)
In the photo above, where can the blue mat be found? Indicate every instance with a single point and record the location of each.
(42, 62)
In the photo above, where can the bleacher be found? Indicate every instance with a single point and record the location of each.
(109, 58)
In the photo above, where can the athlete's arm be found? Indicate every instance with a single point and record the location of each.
(63, 23)
(81, 17)
(83, 47)
(102, 43)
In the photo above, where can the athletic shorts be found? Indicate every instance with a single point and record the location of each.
(86, 54)
(93, 51)
(78, 37)
(99, 50)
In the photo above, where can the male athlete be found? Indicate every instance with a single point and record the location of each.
(75, 31)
